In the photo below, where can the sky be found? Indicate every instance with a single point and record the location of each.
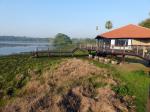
(76, 18)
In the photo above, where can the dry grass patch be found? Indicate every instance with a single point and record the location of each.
(83, 87)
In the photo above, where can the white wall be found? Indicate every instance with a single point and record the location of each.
(129, 42)
(112, 41)
(117, 47)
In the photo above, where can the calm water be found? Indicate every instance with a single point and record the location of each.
(13, 47)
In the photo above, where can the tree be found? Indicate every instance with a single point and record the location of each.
(62, 39)
(108, 25)
(145, 23)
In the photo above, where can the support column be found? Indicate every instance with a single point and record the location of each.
(149, 65)
(123, 58)
(98, 44)
(49, 54)
(137, 52)
(143, 51)
(36, 53)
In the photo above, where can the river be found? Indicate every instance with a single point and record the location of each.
(16, 47)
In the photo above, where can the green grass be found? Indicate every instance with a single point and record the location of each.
(12, 65)
(137, 82)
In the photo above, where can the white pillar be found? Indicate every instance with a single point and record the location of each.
(112, 43)
(129, 43)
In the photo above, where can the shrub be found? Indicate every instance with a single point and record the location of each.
(121, 90)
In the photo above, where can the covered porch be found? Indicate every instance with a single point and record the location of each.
(129, 35)
(130, 40)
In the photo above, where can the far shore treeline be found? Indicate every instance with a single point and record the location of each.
(59, 40)
(23, 38)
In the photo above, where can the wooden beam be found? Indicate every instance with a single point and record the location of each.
(123, 58)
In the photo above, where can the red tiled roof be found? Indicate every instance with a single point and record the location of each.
(130, 31)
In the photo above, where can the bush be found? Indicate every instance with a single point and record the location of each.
(121, 90)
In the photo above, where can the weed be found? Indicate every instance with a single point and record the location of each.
(121, 90)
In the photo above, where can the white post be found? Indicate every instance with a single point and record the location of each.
(137, 50)
(143, 51)
(112, 43)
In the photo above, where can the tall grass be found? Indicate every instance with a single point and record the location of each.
(15, 71)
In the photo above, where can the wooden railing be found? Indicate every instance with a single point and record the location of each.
(134, 50)
(139, 51)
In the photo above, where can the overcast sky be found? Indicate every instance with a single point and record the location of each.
(76, 18)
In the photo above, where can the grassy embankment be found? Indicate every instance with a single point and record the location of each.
(11, 66)
(14, 67)
(136, 77)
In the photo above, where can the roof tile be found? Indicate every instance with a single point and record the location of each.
(129, 31)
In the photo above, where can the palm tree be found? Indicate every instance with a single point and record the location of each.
(108, 25)
(97, 28)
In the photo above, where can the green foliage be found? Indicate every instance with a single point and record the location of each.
(62, 39)
(15, 71)
(140, 72)
(108, 25)
(83, 40)
(93, 53)
(121, 90)
(145, 23)
(87, 41)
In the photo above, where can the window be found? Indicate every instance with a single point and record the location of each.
(121, 42)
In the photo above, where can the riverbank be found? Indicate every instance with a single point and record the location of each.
(18, 71)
